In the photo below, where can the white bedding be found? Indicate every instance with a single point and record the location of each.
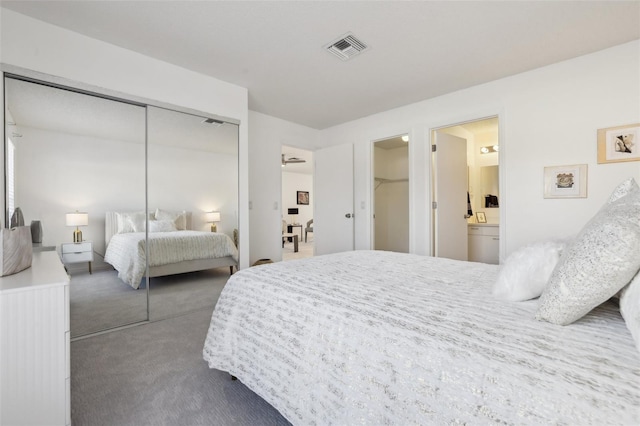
(126, 252)
(386, 338)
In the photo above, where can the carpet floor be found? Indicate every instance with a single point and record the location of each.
(154, 374)
(101, 301)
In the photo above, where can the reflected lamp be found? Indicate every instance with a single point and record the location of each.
(213, 218)
(77, 219)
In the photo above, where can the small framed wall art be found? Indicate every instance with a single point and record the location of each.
(565, 181)
(619, 144)
(480, 216)
(303, 197)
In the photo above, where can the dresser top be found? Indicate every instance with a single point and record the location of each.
(46, 270)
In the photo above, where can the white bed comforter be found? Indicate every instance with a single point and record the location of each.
(126, 252)
(379, 338)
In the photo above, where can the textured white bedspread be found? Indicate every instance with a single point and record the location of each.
(380, 338)
(126, 252)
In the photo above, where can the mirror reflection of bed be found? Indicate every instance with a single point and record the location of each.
(76, 151)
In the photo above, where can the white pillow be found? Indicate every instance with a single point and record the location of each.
(596, 264)
(138, 222)
(625, 188)
(180, 218)
(162, 226)
(525, 273)
(126, 220)
(630, 308)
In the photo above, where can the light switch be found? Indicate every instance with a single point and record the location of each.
(275, 205)
(362, 205)
(250, 205)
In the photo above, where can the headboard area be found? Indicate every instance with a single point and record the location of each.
(111, 222)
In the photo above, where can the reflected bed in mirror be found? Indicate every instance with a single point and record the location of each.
(192, 166)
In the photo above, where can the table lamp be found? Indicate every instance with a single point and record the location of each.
(212, 218)
(77, 219)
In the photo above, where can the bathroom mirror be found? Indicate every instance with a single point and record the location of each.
(489, 188)
(68, 151)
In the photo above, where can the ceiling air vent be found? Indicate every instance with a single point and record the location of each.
(346, 47)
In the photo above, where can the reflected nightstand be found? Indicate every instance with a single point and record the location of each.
(77, 253)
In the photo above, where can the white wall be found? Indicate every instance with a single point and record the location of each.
(41, 47)
(548, 117)
(266, 138)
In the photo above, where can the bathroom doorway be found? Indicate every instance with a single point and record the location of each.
(466, 218)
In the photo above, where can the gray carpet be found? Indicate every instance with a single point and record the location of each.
(101, 301)
(154, 374)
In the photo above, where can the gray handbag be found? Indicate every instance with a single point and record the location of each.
(16, 251)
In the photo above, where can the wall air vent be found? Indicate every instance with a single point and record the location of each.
(346, 47)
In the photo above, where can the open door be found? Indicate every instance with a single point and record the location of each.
(333, 209)
(450, 196)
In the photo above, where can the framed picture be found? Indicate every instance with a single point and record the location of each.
(565, 181)
(480, 216)
(303, 197)
(617, 144)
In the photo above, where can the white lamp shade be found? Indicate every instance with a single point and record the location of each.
(213, 217)
(77, 219)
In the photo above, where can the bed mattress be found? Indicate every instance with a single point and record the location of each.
(370, 337)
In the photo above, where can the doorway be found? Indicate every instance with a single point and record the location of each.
(297, 203)
(466, 191)
(391, 194)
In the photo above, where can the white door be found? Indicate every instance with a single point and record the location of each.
(333, 203)
(451, 184)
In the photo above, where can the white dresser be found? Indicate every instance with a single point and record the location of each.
(35, 370)
(484, 242)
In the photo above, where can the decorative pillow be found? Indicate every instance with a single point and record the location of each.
(525, 273)
(138, 222)
(180, 218)
(630, 308)
(600, 261)
(625, 188)
(126, 220)
(162, 226)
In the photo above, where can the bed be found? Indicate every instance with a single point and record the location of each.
(371, 337)
(172, 249)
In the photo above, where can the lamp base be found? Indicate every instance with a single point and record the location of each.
(214, 227)
(77, 236)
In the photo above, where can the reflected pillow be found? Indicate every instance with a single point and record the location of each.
(138, 222)
(599, 262)
(162, 226)
(630, 308)
(525, 273)
(179, 218)
(127, 219)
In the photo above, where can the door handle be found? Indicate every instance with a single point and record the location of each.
(348, 215)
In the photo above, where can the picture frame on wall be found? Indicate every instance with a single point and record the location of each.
(619, 144)
(302, 197)
(565, 181)
(480, 217)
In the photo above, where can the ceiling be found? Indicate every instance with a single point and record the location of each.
(417, 49)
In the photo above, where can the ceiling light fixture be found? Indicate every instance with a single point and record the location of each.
(489, 149)
(405, 138)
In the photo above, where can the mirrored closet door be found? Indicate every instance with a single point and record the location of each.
(73, 161)
(193, 210)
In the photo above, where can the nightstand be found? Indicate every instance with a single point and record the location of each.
(77, 253)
